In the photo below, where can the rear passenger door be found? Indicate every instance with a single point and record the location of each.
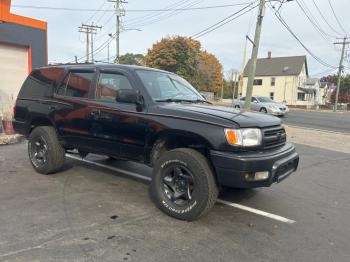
(72, 114)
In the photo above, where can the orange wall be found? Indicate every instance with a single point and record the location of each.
(6, 16)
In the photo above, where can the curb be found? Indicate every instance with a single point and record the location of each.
(11, 139)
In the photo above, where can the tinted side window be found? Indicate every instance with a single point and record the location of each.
(76, 84)
(109, 83)
(40, 82)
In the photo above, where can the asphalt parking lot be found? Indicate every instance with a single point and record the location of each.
(95, 213)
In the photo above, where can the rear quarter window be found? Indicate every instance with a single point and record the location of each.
(40, 83)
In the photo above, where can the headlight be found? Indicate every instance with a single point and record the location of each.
(245, 137)
(273, 107)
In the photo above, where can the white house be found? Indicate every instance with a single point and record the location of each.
(283, 79)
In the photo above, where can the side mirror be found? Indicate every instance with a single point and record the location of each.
(129, 96)
(255, 101)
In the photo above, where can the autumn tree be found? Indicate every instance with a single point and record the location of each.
(132, 59)
(344, 91)
(183, 56)
(210, 74)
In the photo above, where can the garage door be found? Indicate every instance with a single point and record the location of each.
(13, 71)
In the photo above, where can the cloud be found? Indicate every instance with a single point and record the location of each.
(226, 43)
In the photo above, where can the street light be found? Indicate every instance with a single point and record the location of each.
(132, 29)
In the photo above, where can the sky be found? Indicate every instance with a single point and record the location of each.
(226, 43)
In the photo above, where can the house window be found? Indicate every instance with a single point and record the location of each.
(301, 96)
(273, 81)
(272, 95)
(258, 82)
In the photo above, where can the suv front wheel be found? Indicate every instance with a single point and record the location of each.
(183, 184)
(45, 152)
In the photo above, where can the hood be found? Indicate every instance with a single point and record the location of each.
(220, 115)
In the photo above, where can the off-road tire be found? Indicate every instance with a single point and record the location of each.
(55, 151)
(205, 189)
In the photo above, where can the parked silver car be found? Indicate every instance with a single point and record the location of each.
(263, 104)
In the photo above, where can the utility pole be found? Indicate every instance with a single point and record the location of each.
(343, 43)
(90, 31)
(234, 86)
(119, 12)
(254, 56)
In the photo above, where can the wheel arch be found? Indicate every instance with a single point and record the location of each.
(40, 121)
(171, 139)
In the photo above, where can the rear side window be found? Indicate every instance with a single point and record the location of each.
(40, 82)
(76, 84)
(109, 83)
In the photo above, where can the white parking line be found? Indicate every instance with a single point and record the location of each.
(318, 130)
(257, 211)
(231, 204)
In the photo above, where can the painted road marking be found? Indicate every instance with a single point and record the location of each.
(231, 204)
(257, 211)
(315, 129)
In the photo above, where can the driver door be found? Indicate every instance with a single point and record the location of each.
(118, 127)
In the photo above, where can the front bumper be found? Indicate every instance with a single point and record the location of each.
(231, 168)
(278, 112)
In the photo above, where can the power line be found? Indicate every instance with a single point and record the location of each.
(164, 16)
(313, 21)
(283, 22)
(128, 10)
(102, 15)
(336, 18)
(328, 71)
(152, 15)
(224, 21)
(325, 19)
(96, 11)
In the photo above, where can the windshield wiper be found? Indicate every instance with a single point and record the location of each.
(203, 101)
(177, 100)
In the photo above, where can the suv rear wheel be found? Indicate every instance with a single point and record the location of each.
(183, 184)
(45, 152)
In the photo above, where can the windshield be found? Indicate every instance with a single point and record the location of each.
(163, 86)
(264, 99)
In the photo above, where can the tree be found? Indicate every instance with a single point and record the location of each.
(344, 91)
(183, 56)
(132, 59)
(210, 73)
(177, 55)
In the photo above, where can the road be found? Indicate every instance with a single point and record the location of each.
(87, 212)
(338, 122)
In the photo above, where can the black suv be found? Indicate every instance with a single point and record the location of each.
(153, 117)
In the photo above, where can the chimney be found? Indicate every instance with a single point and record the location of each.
(269, 54)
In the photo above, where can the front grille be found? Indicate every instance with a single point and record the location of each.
(274, 137)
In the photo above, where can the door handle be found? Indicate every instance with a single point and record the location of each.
(95, 113)
(52, 107)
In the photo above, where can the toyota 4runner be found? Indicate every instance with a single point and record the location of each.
(153, 117)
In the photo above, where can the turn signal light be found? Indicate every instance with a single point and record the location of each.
(232, 136)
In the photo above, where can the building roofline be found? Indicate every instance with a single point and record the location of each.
(7, 17)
